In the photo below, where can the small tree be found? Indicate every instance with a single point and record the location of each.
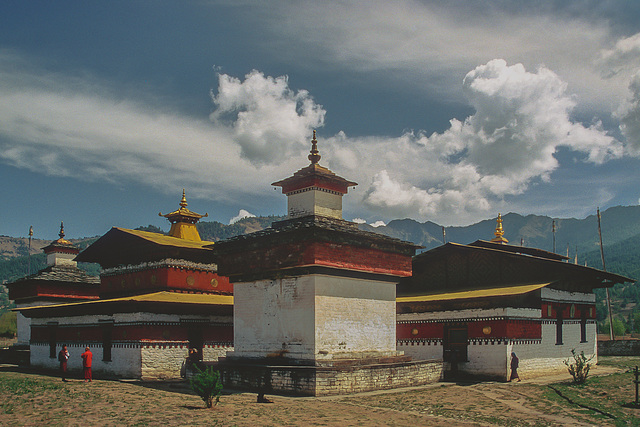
(580, 367)
(207, 385)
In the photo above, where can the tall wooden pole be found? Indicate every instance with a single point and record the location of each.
(444, 236)
(604, 268)
(553, 231)
(29, 253)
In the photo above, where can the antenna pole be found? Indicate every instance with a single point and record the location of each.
(553, 231)
(29, 253)
(606, 289)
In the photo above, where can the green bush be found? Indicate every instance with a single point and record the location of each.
(580, 367)
(207, 385)
(8, 324)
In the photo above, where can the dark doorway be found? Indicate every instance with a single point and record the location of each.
(196, 342)
(455, 344)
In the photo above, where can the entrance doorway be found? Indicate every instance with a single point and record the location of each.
(455, 344)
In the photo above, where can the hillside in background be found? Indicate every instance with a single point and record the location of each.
(618, 223)
(620, 229)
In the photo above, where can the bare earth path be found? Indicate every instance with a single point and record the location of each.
(34, 399)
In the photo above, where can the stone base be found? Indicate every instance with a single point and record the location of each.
(346, 378)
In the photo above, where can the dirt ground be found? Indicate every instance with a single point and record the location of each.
(32, 399)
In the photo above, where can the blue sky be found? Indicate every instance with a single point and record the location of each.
(442, 111)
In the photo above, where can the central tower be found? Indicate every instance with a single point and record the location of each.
(314, 296)
(314, 190)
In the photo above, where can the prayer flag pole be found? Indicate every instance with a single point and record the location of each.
(29, 253)
(604, 268)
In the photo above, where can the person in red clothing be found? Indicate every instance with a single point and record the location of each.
(87, 357)
(63, 356)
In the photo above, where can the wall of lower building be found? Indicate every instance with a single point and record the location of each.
(125, 360)
(143, 345)
(167, 361)
(547, 357)
(24, 323)
(495, 333)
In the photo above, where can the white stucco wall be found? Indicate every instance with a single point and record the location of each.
(23, 324)
(135, 359)
(316, 202)
(536, 357)
(314, 317)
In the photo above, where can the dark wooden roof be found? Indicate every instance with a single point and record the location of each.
(315, 227)
(454, 267)
(120, 246)
(61, 273)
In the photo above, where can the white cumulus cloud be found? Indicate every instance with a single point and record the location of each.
(521, 118)
(629, 116)
(269, 120)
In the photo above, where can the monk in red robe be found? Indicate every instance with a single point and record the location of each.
(87, 357)
(63, 356)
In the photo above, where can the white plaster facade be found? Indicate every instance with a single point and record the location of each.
(491, 357)
(314, 201)
(314, 317)
(145, 359)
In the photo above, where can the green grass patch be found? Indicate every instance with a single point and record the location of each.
(21, 386)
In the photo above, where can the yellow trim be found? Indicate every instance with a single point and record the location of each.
(162, 296)
(479, 293)
(161, 239)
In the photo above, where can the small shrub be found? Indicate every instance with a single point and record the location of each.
(207, 385)
(579, 368)
(8, 324)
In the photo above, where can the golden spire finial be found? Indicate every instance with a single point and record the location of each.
(314, 157)
(61, 234)
(183, 202)
(499, 233)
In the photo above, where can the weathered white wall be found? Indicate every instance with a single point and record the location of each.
(547, 357)
(274, 317)
(536, 357)
(125, 361)
(314, 317)
(354, 316)
(564, 296)
(23, 324)
(145, 360)
(314, 202)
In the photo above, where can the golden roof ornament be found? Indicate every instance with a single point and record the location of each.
(61, 234)
(499, 233)
(314, 157)
(183, 221)
(183, 202)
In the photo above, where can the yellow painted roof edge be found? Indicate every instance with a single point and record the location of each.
(478, 293)
(161, 239)
(162, 296)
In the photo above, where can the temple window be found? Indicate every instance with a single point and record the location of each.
(52, 329)
(107, 329)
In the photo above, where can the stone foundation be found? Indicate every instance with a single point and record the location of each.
(327, 380)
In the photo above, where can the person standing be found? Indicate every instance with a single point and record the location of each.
(63, 356)
(87, 358)
(514, 367)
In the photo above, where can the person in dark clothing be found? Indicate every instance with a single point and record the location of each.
(514, 368)
(63, 356)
